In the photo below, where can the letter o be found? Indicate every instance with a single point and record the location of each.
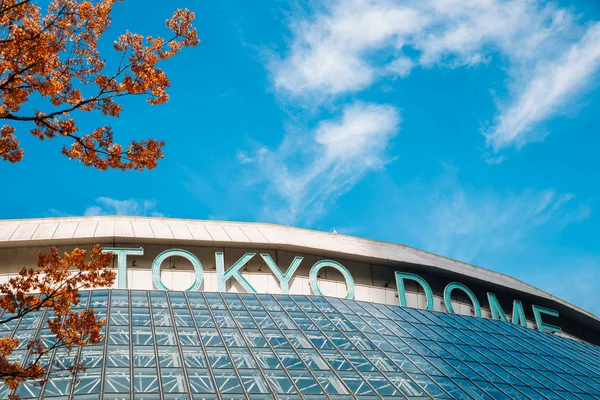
(198, 270)
(448, 297)
(314, 284)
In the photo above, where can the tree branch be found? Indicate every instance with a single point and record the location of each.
(6, 9)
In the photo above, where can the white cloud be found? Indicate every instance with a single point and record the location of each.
(334, 157)
(401, 66)
(130, 207)
(550, 88)
(347, 45)
(330, 53)
(362, 132)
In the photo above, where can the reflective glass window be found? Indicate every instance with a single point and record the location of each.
(200, 381)
(173, 380)
(189, 345)
(144, 356)
(145, 380)
(168, 356)
(117, 380)
(117, 356)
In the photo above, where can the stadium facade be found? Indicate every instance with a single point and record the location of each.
(222, 310)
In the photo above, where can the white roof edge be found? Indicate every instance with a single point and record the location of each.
(290, 236)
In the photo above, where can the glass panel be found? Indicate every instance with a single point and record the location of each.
(283, 321)
(158, 298)
(290, 359)
(312, 359)
(88, 381)
(64, 359)
(188, 337)
(140, 316)
(31, 321)
(194, 358)
(99, 298)
(116, 380)
(281, 346)
(279, 382)
(178, 300)
(218, 357)
(165, 336)
(28, 390)
(118, 356)
(162, 317)
(215, 301)
(243, 318)
(255, 338)
(227, 381)
(145, 380)
(173, 380)
(92, 356)
(169, 357)
(380, 384)
(139, 298)
(223, 319)
(203, 319)
(196, 300)
(253, 382)
(233, 338)
(356, 383)
(211, 338)
(118, 335)
(242, 358)
(298, 340)
(251, 302)
(143, 356)
(266, 358)
(119, 298)
(119, 316)
(269, 302)
(183, 317)
(233, 301)
(305, 382)
(331, 383)
(142, 336)
(200, 381)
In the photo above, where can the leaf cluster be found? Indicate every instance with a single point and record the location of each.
(54, 285)
(55, 55)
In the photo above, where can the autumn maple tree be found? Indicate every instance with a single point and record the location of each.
(54, 287)
(50, 56)
(53, 55)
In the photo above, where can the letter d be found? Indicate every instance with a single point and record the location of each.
(401, 276)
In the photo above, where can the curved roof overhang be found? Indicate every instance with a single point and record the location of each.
(144, 230)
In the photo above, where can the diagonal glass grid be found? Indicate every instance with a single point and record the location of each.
(167, 345)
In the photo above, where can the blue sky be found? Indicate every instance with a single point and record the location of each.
(463, 127)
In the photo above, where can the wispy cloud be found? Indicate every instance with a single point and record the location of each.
(467, 224)
(335, 156)
(510, 231)
(550, 54)
(550, 87)
(130, 207)
(456, 220)
(329, 54)
(344, 47)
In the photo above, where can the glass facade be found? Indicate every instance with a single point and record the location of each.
(193, 345)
